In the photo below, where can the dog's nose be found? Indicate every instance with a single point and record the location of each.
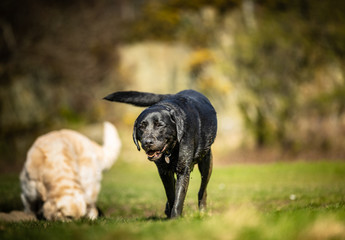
(148, 141)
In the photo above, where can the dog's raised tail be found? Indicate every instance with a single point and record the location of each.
(111, 145)
(140, 99)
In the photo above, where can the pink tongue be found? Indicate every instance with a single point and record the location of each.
(152, 153)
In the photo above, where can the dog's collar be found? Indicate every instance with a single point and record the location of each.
(167, 154)
(167, 159)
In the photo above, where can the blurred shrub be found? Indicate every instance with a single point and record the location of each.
(279, 62)
(270, 52)
(276, 59)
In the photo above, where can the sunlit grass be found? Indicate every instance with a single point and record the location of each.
(275, 201)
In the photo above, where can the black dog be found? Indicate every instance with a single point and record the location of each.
(176, 132)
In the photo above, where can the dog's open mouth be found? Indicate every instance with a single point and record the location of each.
(154, 155)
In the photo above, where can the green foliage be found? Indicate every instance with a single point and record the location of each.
(271, 64)
(177, 20)
(277, 201)
(283, 61)
(10, 193)
(275, 49)
(157, 22)
(70, 116)
(286, 50)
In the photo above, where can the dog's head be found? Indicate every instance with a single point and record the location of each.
(158, 129)
(65, 208)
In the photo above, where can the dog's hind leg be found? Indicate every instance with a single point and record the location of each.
(205, 168)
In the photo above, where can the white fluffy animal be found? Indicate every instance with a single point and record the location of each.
(62, 174)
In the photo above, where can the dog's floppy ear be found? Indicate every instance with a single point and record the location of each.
(179, 122)
(135, 136)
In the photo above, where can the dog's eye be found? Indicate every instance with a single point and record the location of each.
(143, 124)
(159, 124)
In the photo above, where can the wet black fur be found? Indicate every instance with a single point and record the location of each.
(185, 126)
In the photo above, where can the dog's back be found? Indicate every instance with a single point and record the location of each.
(201, 115)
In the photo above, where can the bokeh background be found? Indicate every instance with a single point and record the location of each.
(274, 70)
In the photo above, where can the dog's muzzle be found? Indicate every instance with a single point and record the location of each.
(154, 155)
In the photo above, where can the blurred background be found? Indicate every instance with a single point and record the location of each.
(273, 69)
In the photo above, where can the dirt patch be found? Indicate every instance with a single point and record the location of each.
(16, 216)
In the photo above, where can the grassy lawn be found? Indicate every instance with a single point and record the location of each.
(274, 201)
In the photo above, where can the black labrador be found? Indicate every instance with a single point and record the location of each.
(176, 131)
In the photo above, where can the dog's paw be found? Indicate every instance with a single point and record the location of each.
(167, 210)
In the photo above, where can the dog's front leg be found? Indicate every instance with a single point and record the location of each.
(168, 181)
(182, 183)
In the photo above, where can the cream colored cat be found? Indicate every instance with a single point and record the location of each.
(62, 174)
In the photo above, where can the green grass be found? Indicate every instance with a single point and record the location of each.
(274, 201)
